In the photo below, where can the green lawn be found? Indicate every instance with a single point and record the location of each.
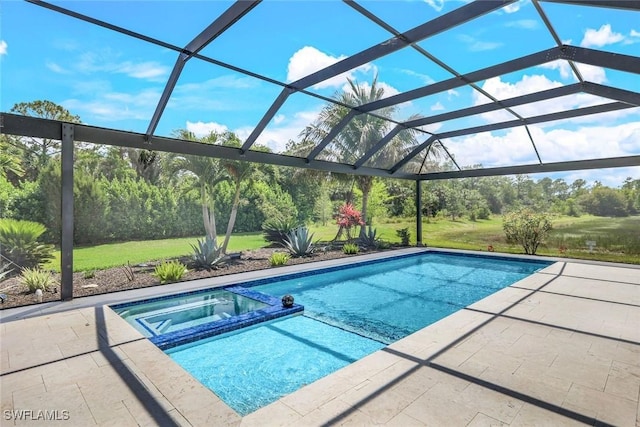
(617, 239)
(118, 254)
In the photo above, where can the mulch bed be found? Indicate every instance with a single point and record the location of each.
(115, 279)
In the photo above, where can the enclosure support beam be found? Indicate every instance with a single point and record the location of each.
(418, 213)
(66, 211)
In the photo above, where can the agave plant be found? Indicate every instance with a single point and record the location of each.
(169, 272)
(276, 229)
(368, 239)
(207, 254)
(299, 242)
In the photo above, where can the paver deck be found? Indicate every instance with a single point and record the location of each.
(561, 347)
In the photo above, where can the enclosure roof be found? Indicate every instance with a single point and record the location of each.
(493, 87)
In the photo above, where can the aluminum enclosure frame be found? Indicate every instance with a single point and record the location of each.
(619, 99)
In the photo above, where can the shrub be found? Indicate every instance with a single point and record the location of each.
(526, 228)
(369, 239)
(298, 242)
(19, 241)
(207, 254)
(276, 230)
(278, 258)
(89, 274)
(348, 217)
(34, 279)
(169, 272)
(404, 236)
(350, 249)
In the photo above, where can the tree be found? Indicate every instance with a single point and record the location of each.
(208, 172)
(238, 172)
(360, 134)
(631, 191)
(10, 163)
(605, 201)
(527, 228)
(36, 151)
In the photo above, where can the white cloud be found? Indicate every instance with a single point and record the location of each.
(590, 73)
(278, 134)
(201, 129)
(512, 7)
(388, 89)
(114, 106)
(555, 145)
(634, 37)
(309, 60)
(56, 68)
(436, 4)
(437, 107)
(476, 45)
(536, 83)
(279, 119)
(503, 90)
(610, 177)
(149, 70)
(587, 142)
(452, 92)
(562, 66)
(490, 150)
(3, 47)
(426, 79)
(601, 37)
(108, 61)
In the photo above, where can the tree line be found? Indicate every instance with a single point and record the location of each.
(130, 194)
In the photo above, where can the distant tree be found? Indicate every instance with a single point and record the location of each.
(36, 151)
(323, 209)
(631, 191)
(10, 163)
(578, 188)
(401, 193)
(605, 201)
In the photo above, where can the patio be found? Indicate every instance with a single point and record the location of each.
(561, 347)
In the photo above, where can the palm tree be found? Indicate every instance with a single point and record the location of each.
(238, 172)
(360, 135)
(208, 171)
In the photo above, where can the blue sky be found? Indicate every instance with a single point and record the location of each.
(114, 81)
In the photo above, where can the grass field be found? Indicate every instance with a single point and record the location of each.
(617, 240)
(117, 254)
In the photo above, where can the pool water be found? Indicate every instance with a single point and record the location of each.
(390, 300)
(251, 369)
(185, 311)
(348, 313)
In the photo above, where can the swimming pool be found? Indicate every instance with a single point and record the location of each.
(348, 313)
(167, 315)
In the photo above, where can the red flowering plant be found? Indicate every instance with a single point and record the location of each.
(348, 217)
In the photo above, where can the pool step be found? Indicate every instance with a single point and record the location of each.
(163, 326)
